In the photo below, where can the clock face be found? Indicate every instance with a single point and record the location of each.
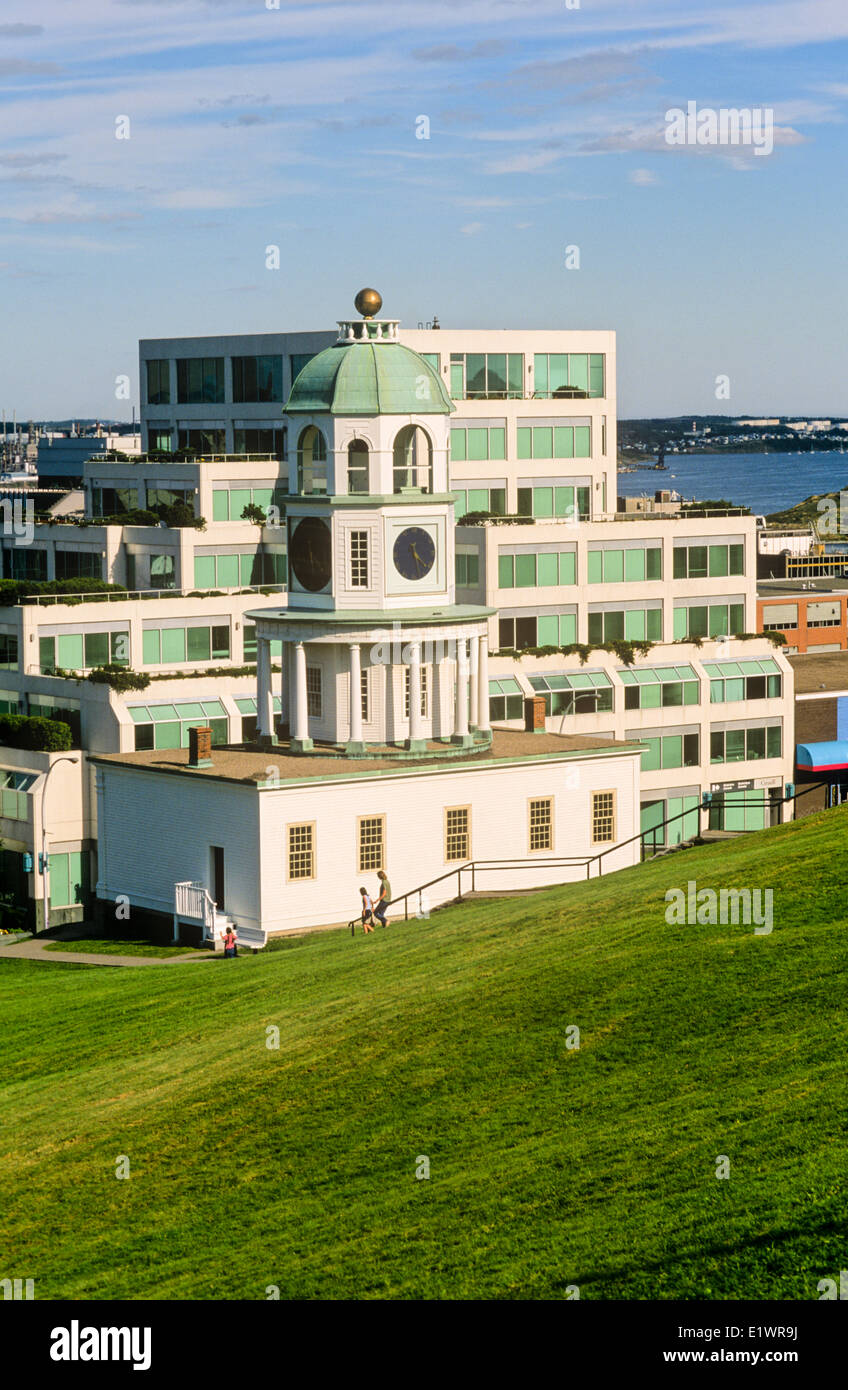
(414, 553)
(310, 554)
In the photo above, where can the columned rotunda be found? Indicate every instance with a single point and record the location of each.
(375, 653)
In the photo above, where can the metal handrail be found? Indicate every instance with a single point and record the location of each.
(472, 865)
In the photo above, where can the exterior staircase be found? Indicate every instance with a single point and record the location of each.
(194, 906)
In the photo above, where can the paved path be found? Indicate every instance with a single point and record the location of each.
(37, 950)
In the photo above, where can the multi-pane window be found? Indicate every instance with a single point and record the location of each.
(8, 651)
(113, 501)
(477, 442)
(26, 562)
(778, 616)
(615, 566)
(564, 375)
(548, 568)
(487, 376)
(575, 692)
(824, 613)
(626, 624)
(207, 440)
(708, 619)
(257, 378)
(745, 745)
(457, 833)
(665, 750)
(228, 504)
(167, 645)
(479, 499)
(554, 441)
(559, 498)
(425, 692)
(297, 362)
(743, 680)
(314, 693)
(249, 644)
(229, 571)
(267, 440)
(167, 725)
(365, 696)
(432, 359)
(82, 651)
(158, 498)
(10, 702)
(158, 439)
(371, 834)
(467, 569)
(538, 630)
(79, 564)
(708, 561)
(505, 698)
(659, 687)
(63, 710)
(541, 824)
(246, 705)
(603, 817)
(158, 381)
(199, 380)
(301, 851)
(359, 560)
(13, 793)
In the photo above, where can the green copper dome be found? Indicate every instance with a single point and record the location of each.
(368, 378)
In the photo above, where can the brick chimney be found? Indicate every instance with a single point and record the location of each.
(200, 747)
(534, 714)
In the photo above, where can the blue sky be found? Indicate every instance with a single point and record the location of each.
(296, 126)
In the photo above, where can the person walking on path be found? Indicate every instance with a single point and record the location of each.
(384, 899)
(230, 943)
(367, 911)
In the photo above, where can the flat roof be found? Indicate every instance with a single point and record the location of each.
(249, 766)
(781, 588)
(820, 674)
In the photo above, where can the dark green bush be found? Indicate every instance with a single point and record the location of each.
(32, 732)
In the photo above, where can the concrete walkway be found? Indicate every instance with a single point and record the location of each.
(37, 950)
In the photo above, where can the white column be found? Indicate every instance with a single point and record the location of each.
(483, 683)
(300, 733)
(355, 695)
(264, 691)
(461, 734)
(416, 724)
(474, 701)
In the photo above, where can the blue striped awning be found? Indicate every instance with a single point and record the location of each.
(823, 757)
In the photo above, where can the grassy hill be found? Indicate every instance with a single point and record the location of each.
(549, 1167)
(805, 511)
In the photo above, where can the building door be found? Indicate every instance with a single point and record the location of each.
(217, 865)
(775, 805)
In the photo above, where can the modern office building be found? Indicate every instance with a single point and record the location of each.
(497, 451)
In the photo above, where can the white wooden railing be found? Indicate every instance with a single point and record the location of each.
(192, 901)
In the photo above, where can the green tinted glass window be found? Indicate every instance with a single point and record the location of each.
(228, 572)
(220, 505)
(634, 564)
(204, 571)
(173, 644)
(525, 571)
(567, 567)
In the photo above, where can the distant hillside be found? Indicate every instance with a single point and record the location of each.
(446, 1047)
(805, 511)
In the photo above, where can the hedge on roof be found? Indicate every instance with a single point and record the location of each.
(34, 733)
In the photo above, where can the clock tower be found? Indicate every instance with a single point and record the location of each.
(370, 522)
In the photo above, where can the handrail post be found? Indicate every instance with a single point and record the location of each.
(473, 876)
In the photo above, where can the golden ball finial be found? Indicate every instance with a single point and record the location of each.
(368, 303)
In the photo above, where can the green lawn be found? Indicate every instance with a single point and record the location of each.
(549, 1167)
(109, 946)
